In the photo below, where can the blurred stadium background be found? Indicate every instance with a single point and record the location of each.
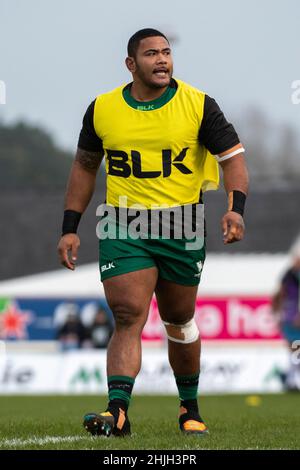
(62, 56)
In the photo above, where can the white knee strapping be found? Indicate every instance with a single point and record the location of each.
(184, 333)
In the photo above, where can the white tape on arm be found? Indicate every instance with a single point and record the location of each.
(229, 155)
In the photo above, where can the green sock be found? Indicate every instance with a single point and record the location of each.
(119, 389)
(187, 386)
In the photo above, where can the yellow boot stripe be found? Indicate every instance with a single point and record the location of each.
(192, 425)
(121, 419)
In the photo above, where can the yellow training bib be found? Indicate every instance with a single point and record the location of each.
(154, 157)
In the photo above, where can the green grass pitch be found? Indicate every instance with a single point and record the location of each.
(55, 422)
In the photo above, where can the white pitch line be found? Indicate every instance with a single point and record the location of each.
(40, 441)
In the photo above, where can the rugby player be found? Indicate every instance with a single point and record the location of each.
(163, 142)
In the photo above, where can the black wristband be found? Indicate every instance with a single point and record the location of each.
(236, 201)
(71, 221)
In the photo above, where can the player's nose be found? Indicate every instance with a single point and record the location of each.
(161, 59)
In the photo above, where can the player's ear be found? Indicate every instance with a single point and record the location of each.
(130, 64)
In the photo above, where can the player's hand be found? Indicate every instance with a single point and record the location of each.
(67, 250)
(233, 227)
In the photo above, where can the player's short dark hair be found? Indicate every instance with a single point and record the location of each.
(135, 40)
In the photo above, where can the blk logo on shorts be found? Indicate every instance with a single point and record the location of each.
(107, 266)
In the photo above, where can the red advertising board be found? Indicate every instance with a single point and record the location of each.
(224, 318)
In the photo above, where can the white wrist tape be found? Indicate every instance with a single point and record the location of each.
(184, 333)
(229, 155)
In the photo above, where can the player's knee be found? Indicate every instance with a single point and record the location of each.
(178, 317)
(185, 333)
(128, 315)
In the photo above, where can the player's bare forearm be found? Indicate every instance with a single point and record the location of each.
(235, 174)
(236, 178)
(82, 179)
(80, 188)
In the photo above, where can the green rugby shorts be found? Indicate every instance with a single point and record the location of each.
(173, 260)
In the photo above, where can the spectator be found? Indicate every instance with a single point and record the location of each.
(101, 329)
(72, 333)
(286, 304)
